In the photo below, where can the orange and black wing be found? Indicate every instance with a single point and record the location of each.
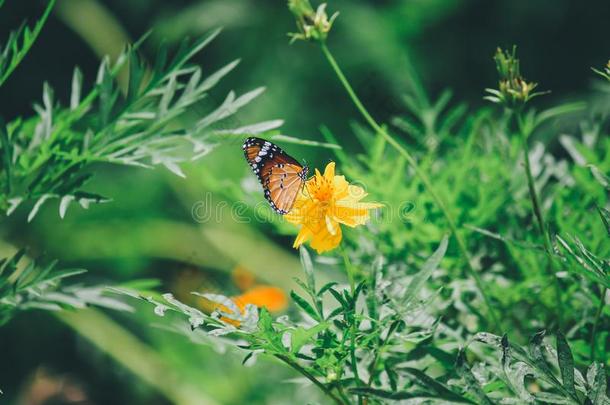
(281, 176)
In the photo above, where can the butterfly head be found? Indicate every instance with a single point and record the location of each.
(304, 173)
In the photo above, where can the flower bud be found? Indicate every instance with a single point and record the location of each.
(331, 376)
(513, 90)
(312, 25)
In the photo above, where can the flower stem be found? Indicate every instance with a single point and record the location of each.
(550, 267)
(600, 308)
(348, 269)
(421, 175)
(311, 378)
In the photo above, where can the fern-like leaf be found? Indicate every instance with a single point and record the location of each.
(47, 157)
(19, 43)
(33, 285)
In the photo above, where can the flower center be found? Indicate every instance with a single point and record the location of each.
(323, 191)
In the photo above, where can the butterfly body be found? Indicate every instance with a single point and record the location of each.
(281, 176)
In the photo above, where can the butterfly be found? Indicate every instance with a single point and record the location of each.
(281, 176)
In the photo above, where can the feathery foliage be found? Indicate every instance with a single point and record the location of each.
(49, 156)
(19, 43)
(31, 285)
(510, 377)
(348, 343)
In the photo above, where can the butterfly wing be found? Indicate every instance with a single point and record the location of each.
(281, 176)
(283, 185)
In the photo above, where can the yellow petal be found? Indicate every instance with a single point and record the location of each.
(303, 235)
(324, 241)
(356, 193)
(353, 214)
(341, 187)
(331, 225)
(326, 202)
(357, 205)
(329, 172)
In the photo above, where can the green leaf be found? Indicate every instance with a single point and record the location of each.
(596, 376)
(32, 286)
(536, 352)
(566, 363)
(371, 296)
(335, 312)
(605, 215)
(601, 178)
(7, 156)
(472, 385)
(392, 376)
(515, 374)
(248, 356)
(301, 302)
(141, 129)
(215, 77)
(301, 284)
(307, 265)
(136, 74)
(19, 44)
(339, 298)
(426, 271)
(265, 322)
(584, 262)
(436, 387)
(300, 336)
(10, 265)
(326, 287)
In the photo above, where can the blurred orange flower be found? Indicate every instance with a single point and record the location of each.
(272, 298)
(243, 278)
(325, 202)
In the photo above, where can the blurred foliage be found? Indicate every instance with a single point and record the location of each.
(401, 57)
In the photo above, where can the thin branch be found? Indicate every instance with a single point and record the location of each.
(311, 378)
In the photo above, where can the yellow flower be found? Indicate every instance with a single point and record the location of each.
(325, 202)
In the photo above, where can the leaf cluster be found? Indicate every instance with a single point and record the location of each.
(26, 285)
(50, 156)
(538, 373)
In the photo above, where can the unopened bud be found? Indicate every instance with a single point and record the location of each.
(513, 90)
(312, 25)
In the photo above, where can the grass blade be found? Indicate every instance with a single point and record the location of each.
(566, 363)
(426, 271)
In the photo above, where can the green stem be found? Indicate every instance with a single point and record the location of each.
(348, 269)
(600, 308)
(311, 378)
(524, 133)
(350, 274)
(422, 177)
(19, 54)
